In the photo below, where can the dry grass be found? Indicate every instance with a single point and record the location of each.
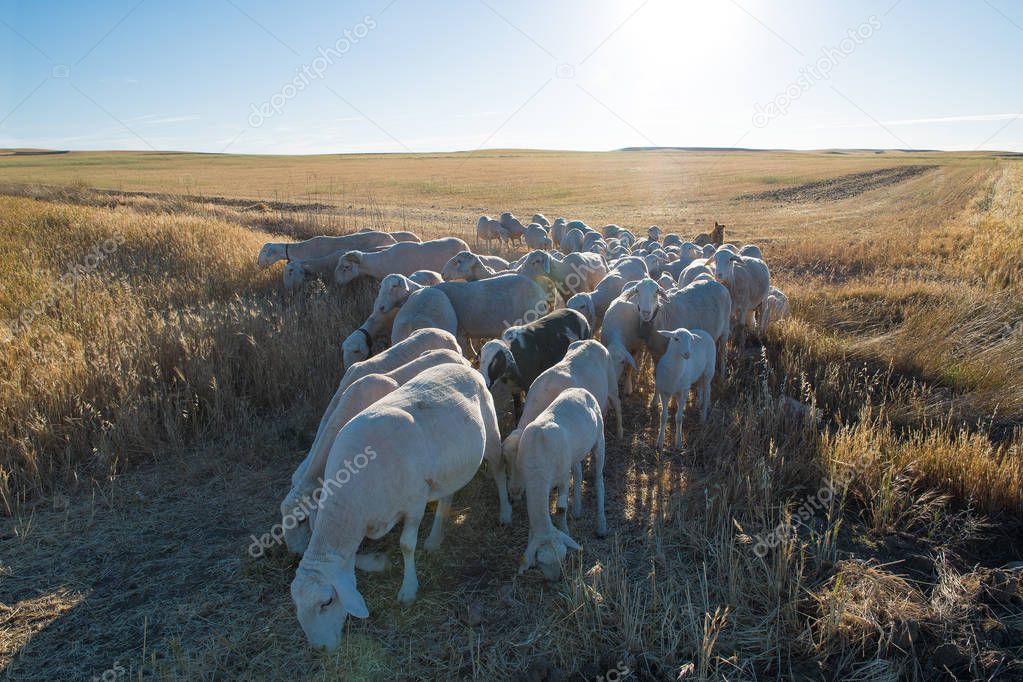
(152, 416)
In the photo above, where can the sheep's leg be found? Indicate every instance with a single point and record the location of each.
(502, 493)
(704, 396)
(409, 535)
(598, 475)
(680, 412)
(562, 504)
(665, 400)
(577, 490)
(627, 384)
(616, 403)
(374, 562)
(436, 536)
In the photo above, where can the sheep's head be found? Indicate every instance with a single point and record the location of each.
(647, 295)
(535, 264)
(394, 291)
(654, 233)
(356, 348)
(348, 267)
(680, 341)
(724, 265)
(584, 304)
(496, 361)
(621, 358)
(269, 254)
(295, 275)
(689, 250)
(482, 221)
(324, 593)
(549, 551)
(459, 266)
(708, 250)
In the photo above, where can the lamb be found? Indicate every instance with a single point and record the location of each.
(748, 281)
(403, 258)
(515, 228)
(572, 241)
(487, 307)
(704, 304)
(620, 334)
(775, 308)
(318, 247)
(422, 442)
(488, 230)
(751, 250)
(541, 219)
(406, 237)
(357, 397)
(523, 352)
(586, 364)
(536, 237)
(551, 449)
(688, 360)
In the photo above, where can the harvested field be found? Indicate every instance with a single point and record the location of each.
(842, 187)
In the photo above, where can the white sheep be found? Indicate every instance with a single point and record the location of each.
(689, 360)
(541, 219)
(445, 418)
(666, 281)
(748, 281)
(403, 258)
(550, 454)
(488, 229)
(467, 266)
(318, 247)
(426, 277)
(751, 250)
(515, 228)
(594, 304)
(357, 397)
(620, 333)
(485, 308)
(424, 309)
(572, 241)
(775, 308)
(692, 271)
(358, 345)
(406, 237)
(577, 272)
(537, 238)
(558, 230)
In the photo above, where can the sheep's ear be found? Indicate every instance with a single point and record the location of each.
(629, 292)
(569, 542)
(547, 264)
(632, 362)
(666, 334)
(351, 600)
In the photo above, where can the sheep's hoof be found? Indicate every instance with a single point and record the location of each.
(601, 531)
(407, 595)
(431, 545)
(506, 517)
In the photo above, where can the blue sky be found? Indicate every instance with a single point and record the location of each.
(258, 76)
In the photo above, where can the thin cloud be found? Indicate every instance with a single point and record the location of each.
(938, 119)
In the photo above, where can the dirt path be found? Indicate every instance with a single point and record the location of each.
(841, 187)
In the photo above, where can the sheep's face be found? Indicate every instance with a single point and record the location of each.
(647, 295)
(458, 266)
(495, 362)
(724, 265)
(294, 275)
(394, 289)
(269, 254)
(680, 342)
(324, 595)
(355, 348)
(536, 264)
(584, 304)
(654, 233)
(347, 269)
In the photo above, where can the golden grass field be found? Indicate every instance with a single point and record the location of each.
(152, 411)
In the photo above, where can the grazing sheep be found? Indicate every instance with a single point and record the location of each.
(748, 281)
(577, 272)
(406, 237)
(523, 352)
(424, 309)
(536, 237)
(358, 345)
(318, 247)
(621, 335)
(426, 277)
(586, 364)
(422, 442)
(551, 450)
(704, 304)
(487, 307)
(775, 308)
(688, 360)
(357, 397)
(558, 230)
(515, 228)
(541, 219)
(572, 241)
(468, 266)
(488, 230)
(403, 258)
(751, 250)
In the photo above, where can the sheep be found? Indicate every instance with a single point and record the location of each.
(406, 237)
(321, 246)
(589, 239)
(620, 333)
(487, 307)
(610, 231)
(357, 397)
(422, 442)
(468, 266)
(714, 238)
(536, 237)
(298, 272)
(688, 360)
(572, 241)
(626, 238)
(394, 289)
(593, 304)
(488, 230)
(751, 250)
(692, 271)
(586, 364)
(708, 251)
(690, 251)
(523, 352)
(732, 248)
(704, 304)
(748, 281)
(775, 308)
(515, 228)
(541, 219)
(578, 225)
(577, 272)
(551, 449)
(424, 309)
(403, 258)
(558, 230)
(671, 240)
(494, 262)
(654, 233)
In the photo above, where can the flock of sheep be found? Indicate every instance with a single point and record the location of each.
(560, 327)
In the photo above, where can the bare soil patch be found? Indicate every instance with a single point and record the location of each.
(841, 187)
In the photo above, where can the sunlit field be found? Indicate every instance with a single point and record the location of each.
(157, 389)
